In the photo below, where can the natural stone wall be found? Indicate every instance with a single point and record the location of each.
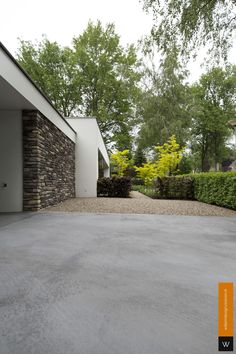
(49, 163)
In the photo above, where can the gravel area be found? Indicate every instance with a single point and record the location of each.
(140, 204)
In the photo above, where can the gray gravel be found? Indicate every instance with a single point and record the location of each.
(141, 204)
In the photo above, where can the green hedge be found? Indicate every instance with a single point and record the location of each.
(118, 187)
(175, 187)
(216, 188)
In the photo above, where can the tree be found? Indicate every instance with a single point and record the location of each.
(191, 23)
(147, 172)
(120, 161)
(53, 70)
(169, 155)
(214, 104)
(97, 77)
(139, 157)
(110, 77)
(164, 108)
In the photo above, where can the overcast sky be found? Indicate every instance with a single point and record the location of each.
(61, 20)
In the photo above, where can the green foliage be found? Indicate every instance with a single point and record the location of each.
(118, 187)
(175, 187)
(164, 105)
(110, 77)
(216, 188)
(149, 191)
(147, 172)
(139, 157)
(120, 161)
(53, 69)
(97, 77)
(192, 23)
(186, 165)
(137, 181)
(169, 156)
(214, 104)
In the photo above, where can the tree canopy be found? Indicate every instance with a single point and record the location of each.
(96, 77)
(53, 68)
(214, 104)
(164, 106)
(191, 23)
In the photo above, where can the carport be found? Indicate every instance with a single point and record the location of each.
(44, 158)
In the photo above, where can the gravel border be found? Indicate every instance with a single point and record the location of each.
(140, 204)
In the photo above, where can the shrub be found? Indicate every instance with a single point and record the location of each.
(169, 156)
(137, 181)
(118, 187)
(216, 188)
(175, 187)
(120, 160)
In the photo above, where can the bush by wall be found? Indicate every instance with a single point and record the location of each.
(118, 187)
(216, 188)
(175, 187)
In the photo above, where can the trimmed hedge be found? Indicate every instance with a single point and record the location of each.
(118, 187)
(175, 187)
(216, 188)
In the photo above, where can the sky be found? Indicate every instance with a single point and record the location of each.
(61, 20)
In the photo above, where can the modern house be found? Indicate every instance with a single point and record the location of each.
(44, 158)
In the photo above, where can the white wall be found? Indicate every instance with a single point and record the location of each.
(11, 161)
(89, 140)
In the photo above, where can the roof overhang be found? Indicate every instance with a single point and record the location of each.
(18, 92)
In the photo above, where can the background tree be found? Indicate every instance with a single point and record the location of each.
(53, 69)
(97, 77)
(191, 23)
(214, 104)
(164, 106)
(110, 77)
(139, 156)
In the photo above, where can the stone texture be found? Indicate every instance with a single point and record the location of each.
(49, 163)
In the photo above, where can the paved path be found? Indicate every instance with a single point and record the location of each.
(141, 204)
(97, 284)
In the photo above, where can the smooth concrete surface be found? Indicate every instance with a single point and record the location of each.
(112, 283)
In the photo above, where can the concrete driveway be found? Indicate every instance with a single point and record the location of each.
(112, 283)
